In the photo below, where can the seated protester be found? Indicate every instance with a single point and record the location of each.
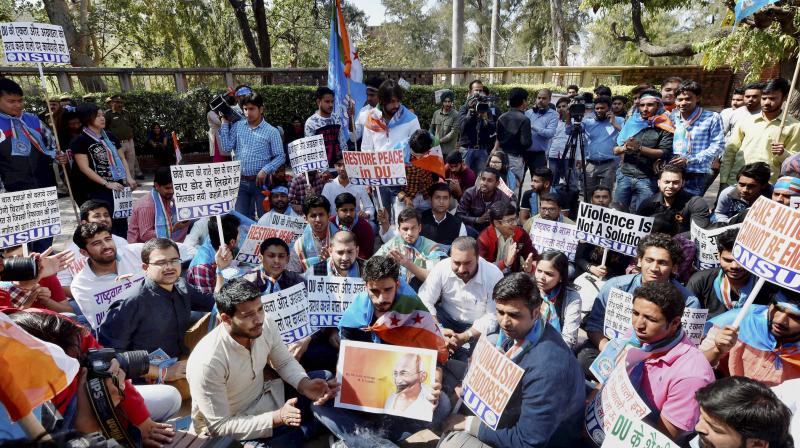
(458, 292)
(657, 255)
(673, 201)
(589, 258)
(343, 260)
(437, 223)
(418, 180)
(141, 406)
(415, 254)
(740, 412)
(346, 218)
(91, 211)
(752, 181)
(674, 368)
(561, 306)
(279, 205)
(154, 214)
(498, 159)
(785, 189)
(272, 275)
(725, 287)
(129, 323)
(313, 245)
(473, 209)
(541, 182)
(299, 191)
(765, 347)
(45, 292)
(203, 270)
(387, 296)
(549, 210)
(458, 175)
(546, 408)
(341, 184)
(505, 244)
(229, 399)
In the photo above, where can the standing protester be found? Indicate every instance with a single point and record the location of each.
(669, 91)
(544, 122)
(257, 144)
(601, 131)
(572, 91)
(444, 124)
(324, 122)
(752, 106)
(556, 161)
(737, 101)
(478, 133)
(214, 124)
(158, 141)
(373, 84)
(391, 123)
(119, 123)
(514, 134)
(618, 106)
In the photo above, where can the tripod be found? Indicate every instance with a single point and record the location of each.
(576, 142)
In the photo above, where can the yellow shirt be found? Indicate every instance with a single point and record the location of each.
(750, 142)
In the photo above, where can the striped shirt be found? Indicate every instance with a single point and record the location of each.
(707, 138)
(258, 149)
(142, 223)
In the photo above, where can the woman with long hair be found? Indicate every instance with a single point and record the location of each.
(561, 305)
(499, 161)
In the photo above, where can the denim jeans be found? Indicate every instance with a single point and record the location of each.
(476, 159)
(465, 351)
(559, 169)
(249, 200)
(695, 185)
(632, 191)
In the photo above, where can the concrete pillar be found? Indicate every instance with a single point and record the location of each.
(64, 81)
(229, 81)
(180, 82)
(494, 37)
(125, 81)
(457, 39)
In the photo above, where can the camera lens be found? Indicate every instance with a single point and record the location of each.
(134, 363)
(19, 269)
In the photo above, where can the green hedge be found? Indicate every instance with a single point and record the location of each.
(185, 113)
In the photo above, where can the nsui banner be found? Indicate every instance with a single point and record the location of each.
(28, 215)
(329, 296)
(34, 42)
(612, 229)
(308, 154)
(768, 244)
(285, 227)
(205, 189)
(123, 203)
(490, 381)
(706, 243)
(377, 168)
(289, 308)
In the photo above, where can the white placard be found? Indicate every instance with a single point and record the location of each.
(554, 235)
(617, 396)
(618, 313)
(629, 431)
(25, 42)
(794, 202)
(29, 215)
(95, 310)
(706, 242)
(205, 189)
(289, 308)
(378, 168)
(288, 228)
(329, 297)
(123, 203)
(606, 227)
(694, 322)
(308, 154)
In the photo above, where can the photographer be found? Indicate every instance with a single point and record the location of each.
(478, 132)
(600, 130)
(140, 406)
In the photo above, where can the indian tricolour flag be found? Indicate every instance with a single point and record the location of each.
(31, 371)
(345, 73)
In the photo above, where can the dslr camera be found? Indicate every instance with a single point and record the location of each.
(220, 106)
(134, 363)
(577, 109)
(19, 269)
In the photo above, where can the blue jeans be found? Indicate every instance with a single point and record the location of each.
(695, 185)
(465, 351)
(632, 191)
(249, 200)
(476, 160)
(559, 169)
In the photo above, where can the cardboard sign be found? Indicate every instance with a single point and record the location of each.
(379, 168)
(308, 154)
(629, 431)
(618, 314)
(28, 215)
(693, 322)
(289, 308)
(34, 42)
(95, 310)
(606, 227)
(490, 381)
(287, 228)
(504, 188)
(205, 189)
(617, 396)
(706, 242)
(768, 244)
(553, 235)
(123, 203)
(386, 379)
(329, 296)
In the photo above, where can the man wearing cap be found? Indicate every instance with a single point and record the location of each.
(459, 176)
(118, 122)
(785, 189)
(444, 124)
(279, 205)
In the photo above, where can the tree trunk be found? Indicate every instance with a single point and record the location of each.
(263, 38)
(58, 14)
(559, 36)
(494, 33)
(457, 38)
(247, 34)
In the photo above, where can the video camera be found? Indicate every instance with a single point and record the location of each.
(479, 102)
(577, 109)
(220, 106)
(134, 363)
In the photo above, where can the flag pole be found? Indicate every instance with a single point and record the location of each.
(789, 98)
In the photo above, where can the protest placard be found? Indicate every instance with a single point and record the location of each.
(706, 243)
(329, 296)
(794, 202)
(308, 154)
(768, 244)
(504, 188)
(289, 308)
(205, 189)
(618, 313)
(386, 379)
(28, 215)
(615, 230)
(95, 310)
(629, 431)
(34, 42)
(378, 168)
(604, 364)
(123, 203)
(285, 227)
(693, 322)
(489, 383)
(554, 235)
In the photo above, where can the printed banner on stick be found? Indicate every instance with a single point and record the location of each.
(285, 227)
(606, 227)
(289, 308)
(378, 168)
(28, 215)
(386, 379)
(95, 309)
(123, 203)
(34, 42)
(629, 431)
(554, 235)
(618, 313)
(308, 154)
(205, 189)
(329, 297)
(706, 243)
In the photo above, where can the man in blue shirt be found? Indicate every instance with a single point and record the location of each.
(601, 131)
(259, 148)
(544, 122)
(699, 137)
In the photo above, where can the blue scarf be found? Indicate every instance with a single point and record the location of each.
(162, 223)
(205, 254)
(636, 124)
(20, 137)
(310, 256)
(653, 350)
(551, 313)
(114, 161)
(531, 339)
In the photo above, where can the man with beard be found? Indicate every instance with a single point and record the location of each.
(324, 122)
(474, 206)
(409, 378)
(154, 214)
(372, 83)
(346, 219)
(541, 182)
(765, 346)
(673, 202)
(232, 395)
(391, 123)
(738, 412)
(313, 245)
(344, 260)
(752, 181)
(458, 292)
(279, 205)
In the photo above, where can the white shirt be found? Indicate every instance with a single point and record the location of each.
(65, 276)
(360, 121)
(789, 394)
(335, 188)
(463, 302)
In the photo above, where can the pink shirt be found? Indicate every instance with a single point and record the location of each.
(670, 381)
(142, 223)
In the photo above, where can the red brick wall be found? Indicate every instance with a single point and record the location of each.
(717, 84)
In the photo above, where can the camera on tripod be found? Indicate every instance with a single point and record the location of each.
(134, 363)
(577, 109)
